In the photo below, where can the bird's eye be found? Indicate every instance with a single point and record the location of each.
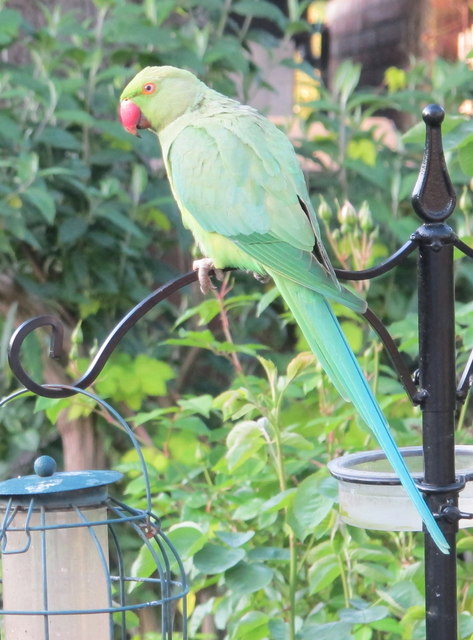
(149, 87)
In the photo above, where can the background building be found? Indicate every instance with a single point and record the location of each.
(384, 33)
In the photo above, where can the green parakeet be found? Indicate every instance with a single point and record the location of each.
(241, 192)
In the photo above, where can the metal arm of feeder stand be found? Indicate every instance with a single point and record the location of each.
(142, 308)
(103, 354)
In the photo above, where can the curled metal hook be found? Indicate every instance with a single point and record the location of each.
(20, 335)
(105, 351)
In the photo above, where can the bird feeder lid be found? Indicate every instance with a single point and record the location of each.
(48, 484)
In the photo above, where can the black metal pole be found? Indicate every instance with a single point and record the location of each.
(437, 377)
(434, 201)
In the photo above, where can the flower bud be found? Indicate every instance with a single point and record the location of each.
(464, 203)
(347, 215)
(365, 217)
(324, 212)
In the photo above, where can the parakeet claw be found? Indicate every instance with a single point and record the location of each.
(203, 267)
(260, 277)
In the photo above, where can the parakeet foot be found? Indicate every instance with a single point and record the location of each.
(260, 277)
(203, 267)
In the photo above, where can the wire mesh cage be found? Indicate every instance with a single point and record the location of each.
(67, 570)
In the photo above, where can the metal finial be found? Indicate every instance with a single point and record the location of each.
(433, 115)
(45, 466)
(433, 197)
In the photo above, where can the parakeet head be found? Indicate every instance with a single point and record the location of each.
(156, 96)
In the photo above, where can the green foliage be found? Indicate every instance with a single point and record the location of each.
(236, 442)
(252, 510)
(84, 217)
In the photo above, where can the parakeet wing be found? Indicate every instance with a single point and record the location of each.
(239, 177)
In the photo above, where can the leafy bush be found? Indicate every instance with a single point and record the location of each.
(88, 223)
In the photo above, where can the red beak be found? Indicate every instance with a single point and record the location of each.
(131, 117)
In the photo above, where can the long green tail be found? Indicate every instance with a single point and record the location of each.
(322, 331)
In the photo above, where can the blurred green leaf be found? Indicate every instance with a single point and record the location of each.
(328, 631)
(234, 538)
(187, 538)
(71, 230)
(252, 626)
(260, 9)
(212, 558)
(308, 507)
(59, 138)
(346, 79)
(364, 616)
(323, 573)
(43, 201)
(243, 441)
(465, 158)
(246, 578)
(10, 21)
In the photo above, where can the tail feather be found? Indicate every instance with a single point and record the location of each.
(322, 331)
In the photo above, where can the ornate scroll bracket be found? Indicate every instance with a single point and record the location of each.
(103, 354)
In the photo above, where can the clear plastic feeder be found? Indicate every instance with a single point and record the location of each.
(371, 495)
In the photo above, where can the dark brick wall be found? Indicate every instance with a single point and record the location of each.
(381, 33)
(377, 33)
